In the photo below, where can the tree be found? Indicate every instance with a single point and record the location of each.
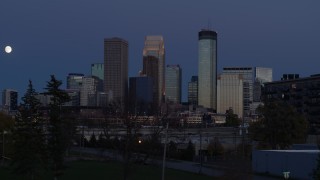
(215, 147)
(6, 122)
(93, 140)
(279, 126)
(6, 125)
(232, 119)
(29, 157)
(188, 153)
(57, 143)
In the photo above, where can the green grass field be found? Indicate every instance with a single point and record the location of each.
(84, 170)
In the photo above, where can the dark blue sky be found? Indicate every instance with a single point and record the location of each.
(63, 36)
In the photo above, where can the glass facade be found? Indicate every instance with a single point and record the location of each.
(193, 91)
(263, 74)
(173, 83)
(207, 72)
(97, 69)
(74, 81)
(153, 65)
(141, 95)
(88, 91)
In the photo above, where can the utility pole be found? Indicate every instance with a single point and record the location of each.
(164, 152)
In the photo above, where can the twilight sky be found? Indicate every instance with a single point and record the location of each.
(65, 36)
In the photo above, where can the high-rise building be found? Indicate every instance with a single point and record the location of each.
(74, 81)
(173, 83)
(207, 69)
(10, 100)
(230, 94)
(116, 70)
(88, 91)
(263, 74)
(153, 66)
(141, 95)
(97, 69)
(193, 91)
(248, 79)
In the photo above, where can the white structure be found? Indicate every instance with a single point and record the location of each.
(230, 94)
(207, 72)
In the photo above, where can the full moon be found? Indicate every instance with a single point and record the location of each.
(8, 49)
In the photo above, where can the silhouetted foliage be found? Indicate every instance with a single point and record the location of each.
(29, 152)
(93, 140)
(279, 126)
(57, 142)
(232, 119)
(6, 122)
(215, 148)
(188, 153)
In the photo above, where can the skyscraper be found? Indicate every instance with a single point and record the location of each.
(97, 69)
(263, 74)
(116, 69)
(88, 91)
(193, 91)
(230, 93)
(74, 81)
(248, 79)
(153, 65)
(173, 83)
(140, 95)
(9, 100)
(207, 57)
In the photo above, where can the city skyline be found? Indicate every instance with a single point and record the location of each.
(285, 40)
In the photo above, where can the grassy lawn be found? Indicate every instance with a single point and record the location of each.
(84, 170)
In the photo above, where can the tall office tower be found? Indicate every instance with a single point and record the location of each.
(116, 70)
(263, 74)
(88, 91)
(248, 79)
(207, 69)
(74, 81)
(9, 100)
(97, 69)
(173, 83)
(153, 66)
(140, 95)
(193, 91)
(230, 93)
